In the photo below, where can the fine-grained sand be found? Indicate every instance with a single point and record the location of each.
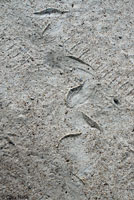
(67, 100)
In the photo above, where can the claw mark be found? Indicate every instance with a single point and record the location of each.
(68, 135)
(72, 92)
(8, 140)
(79, 60)
(113, 81)
(50, 11)
(90, 122)
(75, 46)
(123, 85)
(84, 53)
(130, 91)
(79, 178)
(46, 28)
(108, 72)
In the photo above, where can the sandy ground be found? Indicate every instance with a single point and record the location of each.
(67, 100)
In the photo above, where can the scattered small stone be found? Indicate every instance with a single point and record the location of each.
(116, 101)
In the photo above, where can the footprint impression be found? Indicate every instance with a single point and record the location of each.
(79, 95)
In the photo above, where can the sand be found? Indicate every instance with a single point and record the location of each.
(67, 100)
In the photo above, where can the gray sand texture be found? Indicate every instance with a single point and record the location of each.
(67, 100)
